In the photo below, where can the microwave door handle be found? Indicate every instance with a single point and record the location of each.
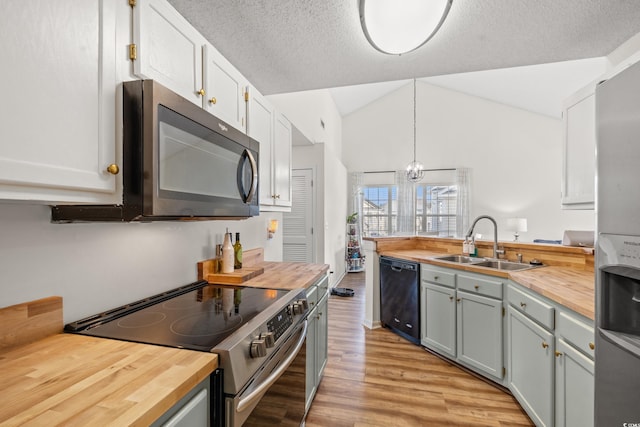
(254, 176)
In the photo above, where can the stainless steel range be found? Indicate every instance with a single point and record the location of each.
(259, 335)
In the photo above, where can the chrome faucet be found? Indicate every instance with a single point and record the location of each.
(496, 251)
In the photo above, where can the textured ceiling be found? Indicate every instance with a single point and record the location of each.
(294, 45)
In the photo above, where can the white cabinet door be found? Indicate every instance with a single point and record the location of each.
(579, 155)
(574, 387)
(479, 333)
(530, 369)
(260, 119)
(282, 161)
(224, 89)
(58, 85)
(438, 318)
(169, 49)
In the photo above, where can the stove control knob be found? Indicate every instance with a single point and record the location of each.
(258, 348)
(304, 304)
(298, 308)
(268, 338)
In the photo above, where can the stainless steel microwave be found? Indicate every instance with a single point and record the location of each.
(179, 162)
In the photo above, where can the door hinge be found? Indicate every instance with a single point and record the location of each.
(504, 371)
(311, 230)
(246, 96)
(312, 183)
(132, 3)
(503, 311)
(133, 52)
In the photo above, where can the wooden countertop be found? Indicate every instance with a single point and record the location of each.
(288, 275)
(570, 287)
(77, 380)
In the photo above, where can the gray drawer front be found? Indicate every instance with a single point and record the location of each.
(533, 307)
(438, 276)
(576, 332)
(481, 286)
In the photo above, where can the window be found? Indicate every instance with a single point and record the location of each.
(435, 212)
(436, 209)
(379, 210)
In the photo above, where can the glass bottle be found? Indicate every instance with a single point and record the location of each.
(237, 251)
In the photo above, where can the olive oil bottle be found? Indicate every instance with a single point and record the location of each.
(237, 252)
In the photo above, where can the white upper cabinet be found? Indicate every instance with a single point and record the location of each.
(260, 115)
(172, 52)
(168, 49)
(224, 88)
(274, 132)
(579, 151)
(281, 164)
(58, 83)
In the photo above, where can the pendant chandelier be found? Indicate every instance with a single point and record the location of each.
(415, 169)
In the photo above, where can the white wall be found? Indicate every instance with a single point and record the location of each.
(97, 266)
(515, 155)
(307, 109)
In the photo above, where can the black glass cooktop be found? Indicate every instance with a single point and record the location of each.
(196, 319)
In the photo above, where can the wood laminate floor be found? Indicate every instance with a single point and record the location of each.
(376, 378)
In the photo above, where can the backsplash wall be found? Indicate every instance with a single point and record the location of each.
(97, 266)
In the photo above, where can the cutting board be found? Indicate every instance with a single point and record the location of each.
(250, 268)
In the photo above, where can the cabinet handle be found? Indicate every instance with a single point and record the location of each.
(213, 100)
(558, 354)
(545, 345)
(592, 346)
(113, 169)
(523, 305)
(201, 92)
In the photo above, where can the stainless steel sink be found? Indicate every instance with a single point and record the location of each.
(503, 265)
(460, 259)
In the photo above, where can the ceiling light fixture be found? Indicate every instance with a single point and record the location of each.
(415, 170)
(395, 27)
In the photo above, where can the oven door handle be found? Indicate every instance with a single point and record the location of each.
(260, 390)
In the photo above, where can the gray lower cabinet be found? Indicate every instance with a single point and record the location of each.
(316, 347)
(438, 320)
(479, 327)
(462, 318)
(551, 360)
(530, 367)
(574, 386)
(190, 411)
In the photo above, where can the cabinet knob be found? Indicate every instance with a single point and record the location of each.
(113, 169)
(477, 287)
(558, 353)
(458, 299)
(592, 346)
(201, 92)
(213, 100)
(435, 277)
(451, 298)
(523, 305)
(545, 345)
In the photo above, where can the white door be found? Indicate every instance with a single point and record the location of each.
(298, 224)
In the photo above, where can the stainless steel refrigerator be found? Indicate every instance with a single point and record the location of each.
(617, 358)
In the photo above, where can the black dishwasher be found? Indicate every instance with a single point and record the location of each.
(400, 297)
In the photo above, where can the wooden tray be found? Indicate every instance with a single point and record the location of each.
(250, 268)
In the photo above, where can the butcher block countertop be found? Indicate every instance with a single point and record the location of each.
(75, 380)
(52, 378)
(570, 287)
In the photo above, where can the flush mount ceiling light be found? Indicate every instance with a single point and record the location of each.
(415, 170)
(396, 27)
